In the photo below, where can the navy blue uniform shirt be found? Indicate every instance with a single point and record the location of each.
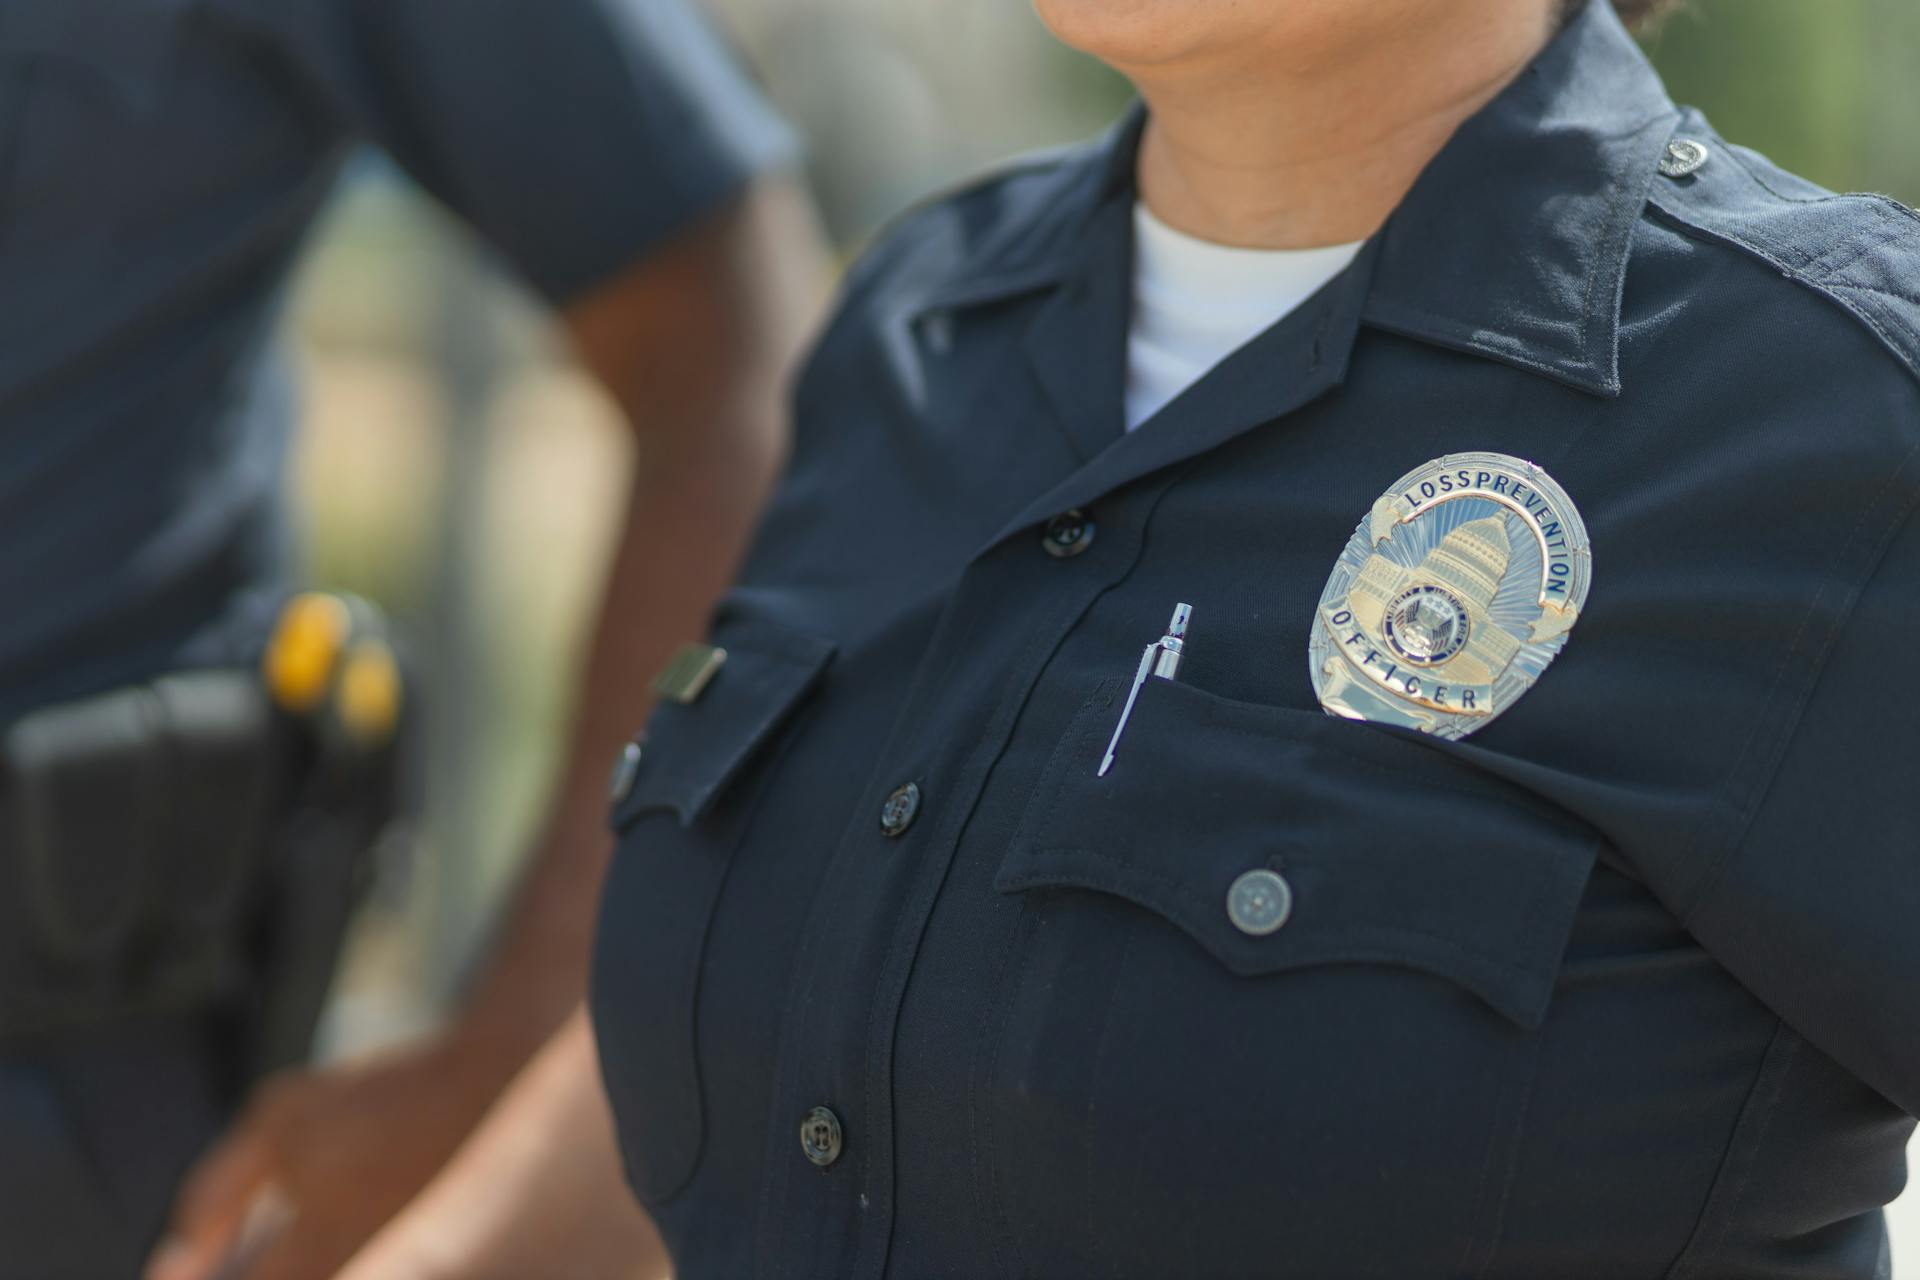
(1620, 987)
(160, 162)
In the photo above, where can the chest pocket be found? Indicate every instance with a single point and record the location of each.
(1348, 844)
(699, 777)
(1271, 958)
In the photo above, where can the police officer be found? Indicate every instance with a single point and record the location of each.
(996, 894)
(160, 163)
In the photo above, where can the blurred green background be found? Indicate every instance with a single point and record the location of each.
(1828, 88)
(454, 465)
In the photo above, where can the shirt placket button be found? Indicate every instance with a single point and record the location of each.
(821, 1138)
(900, 809)
(1068, 534)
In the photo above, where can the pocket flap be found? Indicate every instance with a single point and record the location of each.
(1391, 851)
(690, 752)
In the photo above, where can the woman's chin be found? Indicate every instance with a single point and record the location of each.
(1134, 33)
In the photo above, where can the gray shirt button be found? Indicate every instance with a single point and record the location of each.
(1259, 902)
(820, 1137)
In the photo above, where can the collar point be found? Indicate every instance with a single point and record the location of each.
(1545, 353)
(1598, 377)
(1595, 380)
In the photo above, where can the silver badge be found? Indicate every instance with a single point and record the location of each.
(1451, 597)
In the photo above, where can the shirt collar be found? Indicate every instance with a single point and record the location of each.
(1512, 244)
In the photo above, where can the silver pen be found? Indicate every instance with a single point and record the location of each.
(1162, 658)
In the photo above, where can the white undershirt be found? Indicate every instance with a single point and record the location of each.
(1196, 302)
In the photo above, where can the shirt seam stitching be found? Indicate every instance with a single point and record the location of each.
(1495, 1224)
(1001, 1236)
(1716, 1210)
(1097, 1237)
(1798, 267)
(1765, 774)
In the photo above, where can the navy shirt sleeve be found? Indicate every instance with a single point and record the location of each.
(1818, 910)
(573, 134)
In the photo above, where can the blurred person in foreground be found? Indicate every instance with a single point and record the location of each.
(160, 165)
(1421, 364)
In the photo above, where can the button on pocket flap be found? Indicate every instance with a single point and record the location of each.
(692, 751)
(1281, 839)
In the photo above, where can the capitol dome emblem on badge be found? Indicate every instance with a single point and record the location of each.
(1451, 597)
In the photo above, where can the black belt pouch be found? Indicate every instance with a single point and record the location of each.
(135, 829)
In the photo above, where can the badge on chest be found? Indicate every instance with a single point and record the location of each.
(1451, 597)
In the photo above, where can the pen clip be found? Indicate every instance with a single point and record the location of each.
(1139, 678)
(1161, 658)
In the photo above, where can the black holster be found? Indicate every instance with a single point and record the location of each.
(175, 848)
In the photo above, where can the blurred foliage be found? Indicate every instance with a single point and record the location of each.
(1829, 89)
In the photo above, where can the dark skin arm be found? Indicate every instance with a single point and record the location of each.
(716, 367)
(537, 1190)
(695, 344)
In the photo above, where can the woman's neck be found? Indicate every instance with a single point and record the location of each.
(1293, 158)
